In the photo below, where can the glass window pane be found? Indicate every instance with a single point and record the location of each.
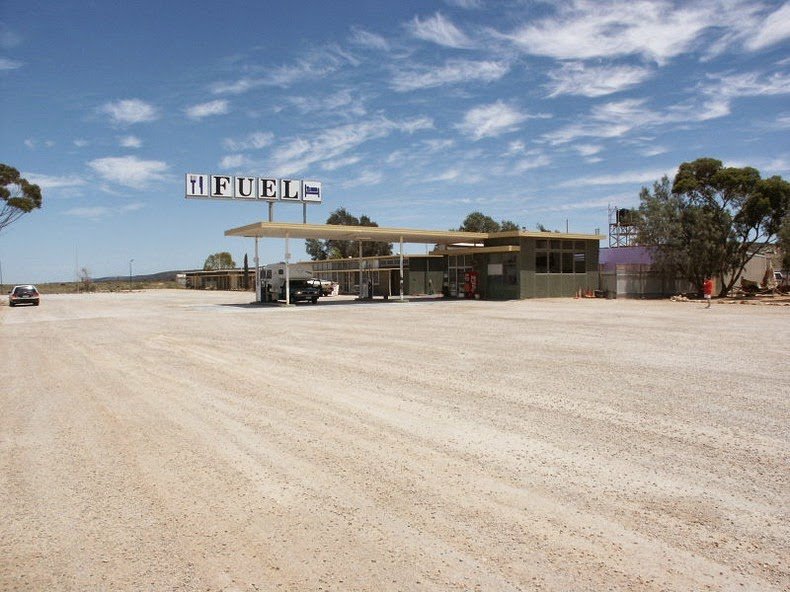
(554, 263)
(541, 262)
(541, 244)
(567, 262)
(578, 263)
(556, 245)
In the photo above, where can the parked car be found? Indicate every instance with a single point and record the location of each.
(325, 286)
(25, 294)
(301, 291)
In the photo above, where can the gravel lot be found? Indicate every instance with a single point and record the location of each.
(179, 440)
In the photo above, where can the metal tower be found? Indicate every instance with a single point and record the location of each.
(622, 232)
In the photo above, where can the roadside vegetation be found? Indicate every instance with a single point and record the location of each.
(120, 285)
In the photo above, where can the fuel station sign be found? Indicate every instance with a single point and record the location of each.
(207, 186)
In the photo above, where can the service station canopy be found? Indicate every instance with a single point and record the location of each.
(387, 235)
(355, 233)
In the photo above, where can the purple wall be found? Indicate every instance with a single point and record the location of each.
(610, 257)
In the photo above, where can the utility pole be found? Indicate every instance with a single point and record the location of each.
(130, 274)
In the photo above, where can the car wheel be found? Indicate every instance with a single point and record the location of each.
(10, 304)
(314, 301)
(35, 303)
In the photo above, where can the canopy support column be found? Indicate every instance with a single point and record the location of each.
(361, 289)
(257, 274)
(287, 273)
(401, 269)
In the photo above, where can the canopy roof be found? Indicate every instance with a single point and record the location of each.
(387, 235)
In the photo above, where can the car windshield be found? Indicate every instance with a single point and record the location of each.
(24, 289)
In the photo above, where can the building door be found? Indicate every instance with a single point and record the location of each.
(457, 266)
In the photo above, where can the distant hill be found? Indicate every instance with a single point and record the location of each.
(162, 276)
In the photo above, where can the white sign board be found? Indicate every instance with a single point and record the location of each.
(205, 186)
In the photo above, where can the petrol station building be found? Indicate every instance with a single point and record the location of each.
(497, 265)
(489, 265)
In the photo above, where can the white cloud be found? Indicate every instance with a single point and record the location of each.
(237, 87)
(368, 39)
(465, 4)
(491, 120)
(587, 149)
(129, 171)
(594, 81)
(235, 161)
(33, 144)
(80, 143)
(627, 177)
(315, 65)
(49, 182)
(415, 124)
(438, 145)
(364, 179)
(328, 145)
(452, 174)
(590, 204)
(747, 84)
(452, 72)
(9, 64)
(96, 213)
(653, 151)
(773, 29)
(536, 161)
(131, 142)
(90, 213)
(130, 111)
(515, 147)
(338, 163)
(342, 102)
(253, 141)
(618, 118)
(209, 109)
(584, 29)
(439, 30)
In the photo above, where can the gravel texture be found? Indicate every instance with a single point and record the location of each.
(181, 440)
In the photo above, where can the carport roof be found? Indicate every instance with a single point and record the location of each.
(355, 233)
(388, 235)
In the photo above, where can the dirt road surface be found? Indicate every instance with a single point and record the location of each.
(178, 440)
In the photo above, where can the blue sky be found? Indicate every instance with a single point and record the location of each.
(414, 113)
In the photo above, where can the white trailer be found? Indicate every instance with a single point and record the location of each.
(299, 286)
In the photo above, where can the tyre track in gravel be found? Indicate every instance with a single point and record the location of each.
(159, 450)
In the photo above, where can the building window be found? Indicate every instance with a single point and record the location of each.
(578, 263)
(558, 256)
(541, 261)
(510, 269)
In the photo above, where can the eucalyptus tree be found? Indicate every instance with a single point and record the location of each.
(712, 220)
(19, 196)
